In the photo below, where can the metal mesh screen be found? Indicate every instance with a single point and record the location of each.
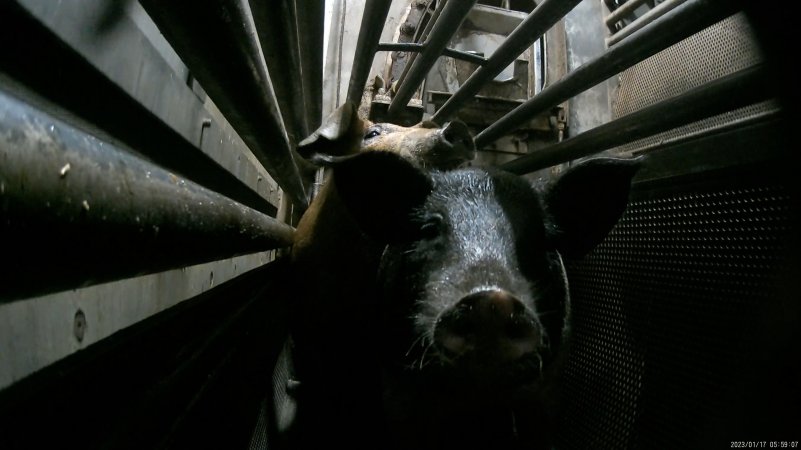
(662, 309)
(722, 49)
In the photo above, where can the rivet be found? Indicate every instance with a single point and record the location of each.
(79, 325)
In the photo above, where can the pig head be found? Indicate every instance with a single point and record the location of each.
(454, 335)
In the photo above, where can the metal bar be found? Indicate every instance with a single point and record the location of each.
(77, 211)
(449, 21)
(421, 35)
(652, 14)
(276, 30)
(415, 47)
(110, 109)
(624, 10)
(682, 22)
(536, 24)
(722, 95)
(215, 41)
(310, 24)
(373, 19)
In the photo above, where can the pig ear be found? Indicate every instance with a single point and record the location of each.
(381, 190)
(338, 135)
(587, 201)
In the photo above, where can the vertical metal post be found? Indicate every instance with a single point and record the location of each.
(536, 24)
(373, 19)
(310, 16)
(447, 24)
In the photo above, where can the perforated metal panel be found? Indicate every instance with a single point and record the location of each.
(722, 49)
(664, 309)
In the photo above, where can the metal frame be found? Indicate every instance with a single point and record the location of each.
(82, 206)
(452, 16)
(678, 24)
(218, 43)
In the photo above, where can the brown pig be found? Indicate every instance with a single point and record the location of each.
(333, 266)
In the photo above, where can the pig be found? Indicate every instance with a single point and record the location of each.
(333, 261)
(455, 333)
(426, 144)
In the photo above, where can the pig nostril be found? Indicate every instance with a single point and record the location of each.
(485, 319)
(519, 328)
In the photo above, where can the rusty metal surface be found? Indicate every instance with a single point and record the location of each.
(77, 211)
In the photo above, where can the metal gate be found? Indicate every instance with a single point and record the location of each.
(149, 181)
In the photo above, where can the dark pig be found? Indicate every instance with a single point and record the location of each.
(460, 323)
(334, 264)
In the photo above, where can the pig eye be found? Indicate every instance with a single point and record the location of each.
(431, 227)
(371, 133)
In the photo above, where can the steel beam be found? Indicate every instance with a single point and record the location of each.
(536, 24)
(76, 210)
(734, 91)
(448, 22)
(680, 23)
(217, 42)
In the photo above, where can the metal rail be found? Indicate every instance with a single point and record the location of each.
(413, 47)
(110, 109)
(652, 14)
(452, 16)
(622, 11)
(740, 89)
(678, 24)
(532, 28)
(77, 211)
(215, 41)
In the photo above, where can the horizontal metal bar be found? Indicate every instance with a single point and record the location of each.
(219, 46)
(682, 22)
(740, 89)
(449, 21)
(415, 47)
(536, 24)
(622, 11)
(31, 64)
(77, 211)
(653, 14)
(373, 20)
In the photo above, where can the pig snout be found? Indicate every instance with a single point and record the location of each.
(454, 144)
(492, 326)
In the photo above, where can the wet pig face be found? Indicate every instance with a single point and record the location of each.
(480, 289)
(471, 282)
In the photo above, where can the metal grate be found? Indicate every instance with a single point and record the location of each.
(662, 310)
(722, 49)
